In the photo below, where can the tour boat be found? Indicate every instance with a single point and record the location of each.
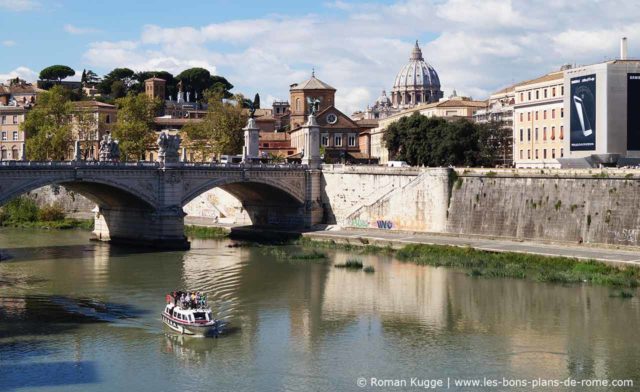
(190, 320)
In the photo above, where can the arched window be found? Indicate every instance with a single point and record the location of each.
(14, 153)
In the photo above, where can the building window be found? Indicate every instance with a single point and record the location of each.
(553, 133)
(14, 153)
(351, 140)
(15, 119)
(337, 141)
(553, 113)
(4, 119)
(529, 96)
(521, 134)
(561, 90)
(15, 135)
(521, 97)
(520, 154)
(561, 132)
(544, 115)
(107, 119)
(561, 152)
(553, 153)
(297, 104)
(561, 112)
(536, 134)
(536, 153)
(528, 154)
(324, 139)
(528, 134)
(521, 117)
(528, 116)
(537, 94)
(553, 92)
(545, 92)
(4, 154)
(544, 133)
(544, 153)
(4, 135)
(536, 115)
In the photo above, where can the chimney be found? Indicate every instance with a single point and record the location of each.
(623, 48)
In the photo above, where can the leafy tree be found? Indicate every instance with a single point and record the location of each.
(434, 141)
(496, 143)
(197, 80)
(125, 75)
(118, 89)
(220, 132)
(56, 72)
(135, 128)
(89, 78)
(48, 126)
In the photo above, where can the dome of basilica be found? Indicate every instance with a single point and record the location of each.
(417, 82)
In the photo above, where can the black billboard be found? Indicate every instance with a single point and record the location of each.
(633, 111)
(583, 113)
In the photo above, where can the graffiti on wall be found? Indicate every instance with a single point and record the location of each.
(625, 235)
(384, 224)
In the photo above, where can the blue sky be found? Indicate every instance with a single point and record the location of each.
(356, 46)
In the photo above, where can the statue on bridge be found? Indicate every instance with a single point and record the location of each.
(168, 147)
(109, 149)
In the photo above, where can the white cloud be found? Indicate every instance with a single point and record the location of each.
(19, 5)
(476, 47)
(8, 43)
(21, 72)
(71, 29)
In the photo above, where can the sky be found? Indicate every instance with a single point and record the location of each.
(477, 47)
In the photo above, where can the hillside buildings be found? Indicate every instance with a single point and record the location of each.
(16, 98)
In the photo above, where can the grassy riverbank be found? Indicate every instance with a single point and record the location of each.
(205, 232)
(23, 212)
(501, 264)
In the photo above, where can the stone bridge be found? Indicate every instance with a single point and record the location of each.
(141, 202)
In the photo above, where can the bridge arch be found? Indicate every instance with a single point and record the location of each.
(266, 201)
(102, 191)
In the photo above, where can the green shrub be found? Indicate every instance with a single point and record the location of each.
(369, 269)
(50, 213)
(19, 210)
(350, 264)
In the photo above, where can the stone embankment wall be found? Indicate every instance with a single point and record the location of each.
(385, 198)
(560, 205)
(550, 205)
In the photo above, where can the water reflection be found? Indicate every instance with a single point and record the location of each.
(298, 322)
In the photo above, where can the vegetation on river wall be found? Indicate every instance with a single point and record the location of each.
(503, 264)
(205, 232)
(23, 212)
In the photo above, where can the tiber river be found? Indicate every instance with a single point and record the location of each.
(83, 316)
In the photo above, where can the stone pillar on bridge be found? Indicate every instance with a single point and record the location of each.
(251, 147)
(311, 149)
(23, 157)
(77, 152)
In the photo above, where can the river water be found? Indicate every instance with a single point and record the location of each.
(83, 316)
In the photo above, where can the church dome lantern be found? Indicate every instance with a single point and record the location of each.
(416, 83)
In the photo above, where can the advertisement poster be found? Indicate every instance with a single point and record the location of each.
(583, 113)
(633, 111)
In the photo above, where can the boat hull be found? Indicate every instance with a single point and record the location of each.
(210, 329)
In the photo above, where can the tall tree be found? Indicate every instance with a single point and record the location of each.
(56, 73)
(220, 132)
(125, 75)
(48, 126)
(135, 128)
(434, 141)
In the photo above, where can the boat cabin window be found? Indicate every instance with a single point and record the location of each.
(200, 316)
